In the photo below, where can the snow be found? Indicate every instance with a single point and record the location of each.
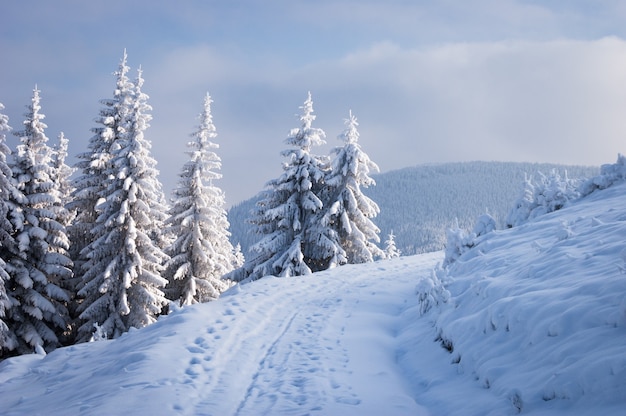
(535, 320)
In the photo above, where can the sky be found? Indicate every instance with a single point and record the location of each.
(429, 81)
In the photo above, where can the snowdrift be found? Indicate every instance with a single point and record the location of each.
(539, 311)
(532, 320)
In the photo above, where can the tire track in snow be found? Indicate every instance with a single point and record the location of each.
(239, 337)
(300, 368)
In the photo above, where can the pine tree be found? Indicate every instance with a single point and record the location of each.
(348, 210)
(39, 270)
(202, 253)
(94, 167)
(391, 251)
(60, 176)
(121, 282)
(285, 215)
(8, 246)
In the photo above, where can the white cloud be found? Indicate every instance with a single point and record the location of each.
(429, 81)
(557, 101)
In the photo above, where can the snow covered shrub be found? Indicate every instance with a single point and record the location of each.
(459, 242)
(485, 224)
(541, 196)
(609, 174)
(431, 291)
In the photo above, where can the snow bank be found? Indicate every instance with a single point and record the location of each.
(538, 312)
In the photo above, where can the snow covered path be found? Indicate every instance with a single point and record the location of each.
(341, 342)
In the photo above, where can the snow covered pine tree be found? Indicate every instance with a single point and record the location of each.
(285, 215)
(348, 211)
(8, 245)
(122, 274)
(39, 315)
(93, 180)
(202, 252)
(391, 251)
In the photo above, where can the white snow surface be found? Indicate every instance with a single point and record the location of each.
(536, 318)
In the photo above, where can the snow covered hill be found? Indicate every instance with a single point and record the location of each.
(532, 320)
(418, 203)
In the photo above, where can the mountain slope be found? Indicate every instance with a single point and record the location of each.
(533, 319)
(419, 203)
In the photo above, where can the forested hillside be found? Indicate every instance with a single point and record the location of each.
(419, 203)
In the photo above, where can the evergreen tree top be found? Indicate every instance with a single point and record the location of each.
(306, 136)
(207, 129)
(33, 124)
(351, 134)
(4, 123)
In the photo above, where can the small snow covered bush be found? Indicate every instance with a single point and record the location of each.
(431, 290)
(609, 174)
(542, 195)
(459, 241)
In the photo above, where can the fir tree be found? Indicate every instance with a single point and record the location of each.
(202, 253)
(60, 176)
(349, 211)
(94, 167)
(121, 283)
(41, 266)
(285, 215)
(391, 251)
(8, 246)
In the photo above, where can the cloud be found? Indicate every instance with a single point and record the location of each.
(557, 101)
(429, 81)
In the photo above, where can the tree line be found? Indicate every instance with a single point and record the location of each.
(89, 251)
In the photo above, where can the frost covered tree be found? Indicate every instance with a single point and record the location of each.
(348, 211)
(202, 252)
(94, 167)
(285, 216)
(8, 246)
(60, 176)
(40, 268)
(391, 251)
(460, 242)
(542, 195)
(121, 285)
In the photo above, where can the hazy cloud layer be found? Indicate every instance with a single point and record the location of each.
(429, 81)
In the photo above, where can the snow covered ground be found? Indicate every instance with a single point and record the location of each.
(535, 323)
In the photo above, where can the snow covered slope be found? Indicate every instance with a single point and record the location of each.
(535, 323)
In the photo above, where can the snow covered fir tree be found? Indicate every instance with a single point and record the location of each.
(314, 216)
(8, 246)
(391, 250)
(121, 281)
(202, 252)
(92, 166)
(348, 210)
(285, 217)
(40, 266)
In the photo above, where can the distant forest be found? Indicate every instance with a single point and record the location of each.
(419, 203)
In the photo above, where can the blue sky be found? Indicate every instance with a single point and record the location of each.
(430, 81)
